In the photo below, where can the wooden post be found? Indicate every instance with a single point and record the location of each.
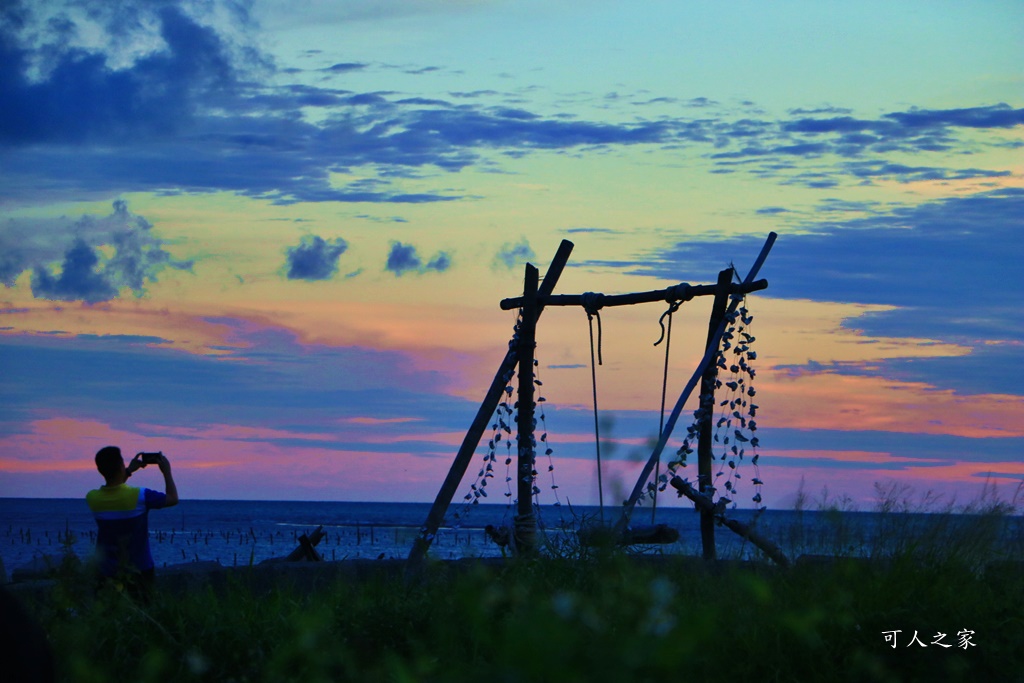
(705, 477)
(483, 418)
(526, 522)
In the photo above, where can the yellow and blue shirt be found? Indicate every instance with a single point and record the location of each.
(122, 521)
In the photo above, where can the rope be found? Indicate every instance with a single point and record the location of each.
(667, 335)
(676, 297)
(591, 304)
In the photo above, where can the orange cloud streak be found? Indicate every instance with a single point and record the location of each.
(851, 403)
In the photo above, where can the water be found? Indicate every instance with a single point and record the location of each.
(237, 533)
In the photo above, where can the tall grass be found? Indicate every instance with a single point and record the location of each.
(612, 620)
(906, 524)
(591, 617)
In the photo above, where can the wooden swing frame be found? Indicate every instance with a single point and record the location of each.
(538, 294)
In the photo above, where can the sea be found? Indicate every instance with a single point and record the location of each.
(240, 533)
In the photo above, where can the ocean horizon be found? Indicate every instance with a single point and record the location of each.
(244, 532)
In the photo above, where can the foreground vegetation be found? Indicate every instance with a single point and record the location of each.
(585, 615)
(598, 619)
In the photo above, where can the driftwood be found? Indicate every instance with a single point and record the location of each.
(306, 550)
(704, 504)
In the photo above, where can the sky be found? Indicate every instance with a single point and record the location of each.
(269, 238)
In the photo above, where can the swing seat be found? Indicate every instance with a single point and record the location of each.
(657, 534)
(599, 535)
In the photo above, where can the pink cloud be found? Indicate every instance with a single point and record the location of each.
(225, 463)
(233, 433)
(375, 421)
(850, 403)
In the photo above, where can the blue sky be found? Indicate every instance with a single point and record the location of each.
(271, 237)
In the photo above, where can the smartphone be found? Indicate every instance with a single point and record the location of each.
(151, 458)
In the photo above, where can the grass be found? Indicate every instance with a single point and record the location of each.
(599, 616)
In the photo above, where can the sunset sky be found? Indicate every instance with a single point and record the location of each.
(270, 238)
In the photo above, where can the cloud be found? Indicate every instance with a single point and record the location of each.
(272, 381)
(84, 274)
(989, 368)
(909, 174)
(914, 122)
(77, 281)
(441, 262)
(907, 444)
(974, 235)
(315, 258)
(799, 111)
(512, 254)
(768, 148)
(946, 266)
(82, 96)
(345, 67)
(605, 231)
(153, 97)
(403, 258)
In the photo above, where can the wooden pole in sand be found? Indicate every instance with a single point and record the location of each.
(707, 407)
(483, 417)
(526, 521)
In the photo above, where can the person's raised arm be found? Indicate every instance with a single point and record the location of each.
(135, 465)
(170, 489)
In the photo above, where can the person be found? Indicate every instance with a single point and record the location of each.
(122, 517)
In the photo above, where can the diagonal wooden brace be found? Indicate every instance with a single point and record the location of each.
(483, 417)
(704, 504)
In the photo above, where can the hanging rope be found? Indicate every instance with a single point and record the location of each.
(592, 303)
(676, 297)
(666, 335)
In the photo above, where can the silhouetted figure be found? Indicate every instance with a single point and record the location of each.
(122, 518)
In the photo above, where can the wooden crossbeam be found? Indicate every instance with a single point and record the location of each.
(680, 292)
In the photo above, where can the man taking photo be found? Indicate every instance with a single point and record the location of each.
(122, 517)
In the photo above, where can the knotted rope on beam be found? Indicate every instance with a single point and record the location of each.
(592, 303)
